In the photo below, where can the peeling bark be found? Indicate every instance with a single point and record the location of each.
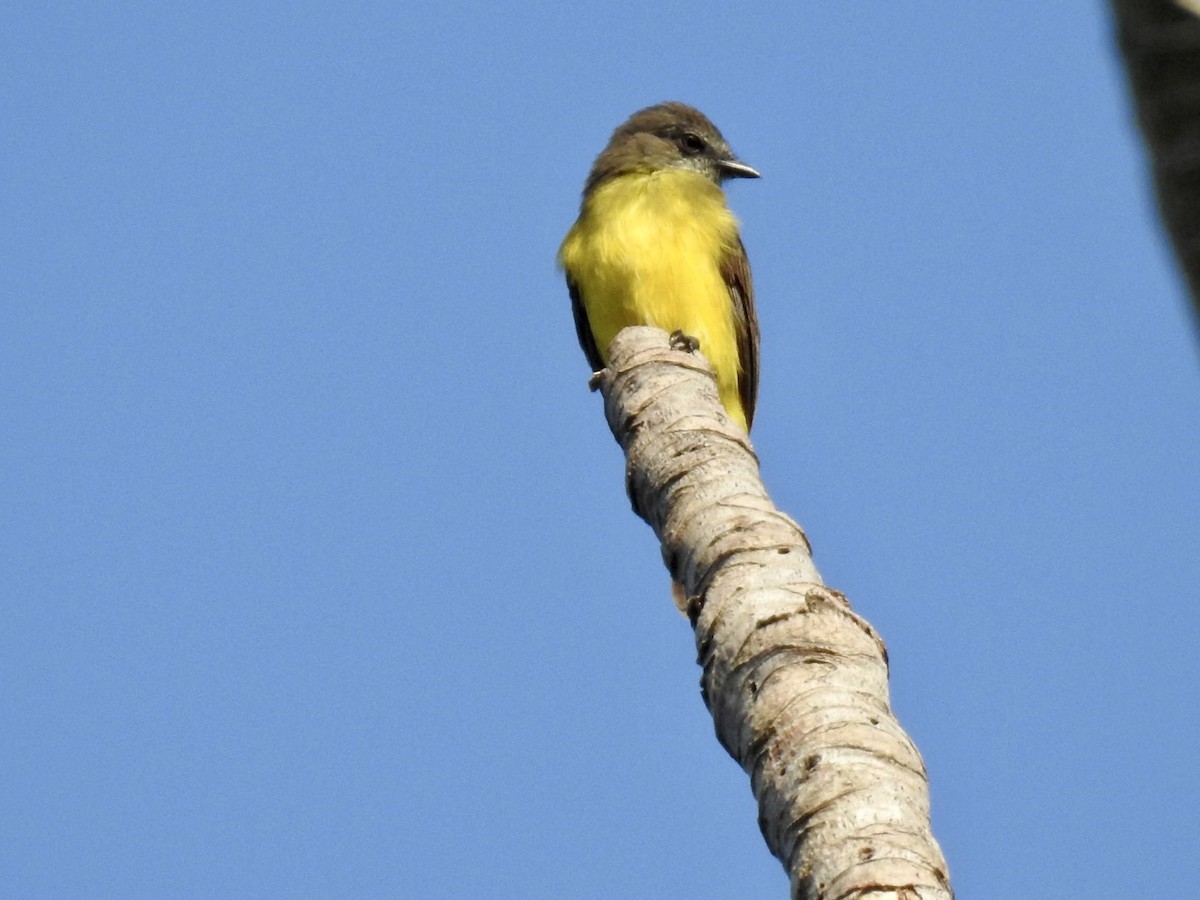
(795, 680)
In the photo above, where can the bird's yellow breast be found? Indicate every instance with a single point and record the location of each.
(647, 250)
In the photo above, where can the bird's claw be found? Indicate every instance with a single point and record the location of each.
(684, 342)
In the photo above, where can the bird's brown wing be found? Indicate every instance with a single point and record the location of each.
(735, 269)
(583, 329)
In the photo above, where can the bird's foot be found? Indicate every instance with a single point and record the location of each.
(684, 342)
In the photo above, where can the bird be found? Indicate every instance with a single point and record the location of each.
(656, 244)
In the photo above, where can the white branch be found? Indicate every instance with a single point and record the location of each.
(795, 680)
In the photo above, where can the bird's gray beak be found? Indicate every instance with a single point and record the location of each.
(732, 168)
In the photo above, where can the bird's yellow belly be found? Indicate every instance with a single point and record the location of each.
(647, 252)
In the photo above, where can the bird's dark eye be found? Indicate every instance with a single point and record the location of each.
(691, 143)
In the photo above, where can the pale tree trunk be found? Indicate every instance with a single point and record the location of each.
(797, 683)
(1160, 41)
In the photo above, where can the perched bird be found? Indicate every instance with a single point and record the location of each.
(655, 244)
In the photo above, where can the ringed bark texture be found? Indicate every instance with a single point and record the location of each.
(797, 683)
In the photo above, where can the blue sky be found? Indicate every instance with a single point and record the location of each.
(319, 577)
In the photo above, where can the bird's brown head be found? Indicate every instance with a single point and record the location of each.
(667, 136)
